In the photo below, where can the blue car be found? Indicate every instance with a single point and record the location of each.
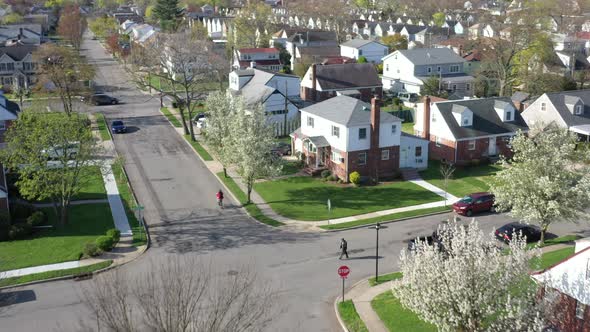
(118, 127)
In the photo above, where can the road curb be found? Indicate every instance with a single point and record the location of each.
(383, 222)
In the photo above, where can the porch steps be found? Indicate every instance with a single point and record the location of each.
(314, 171)
(409, 174)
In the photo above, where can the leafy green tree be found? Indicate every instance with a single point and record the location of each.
(284, 56)
(103, 26)
(66, 140)
(439, 18)
(361, 59)
(432, 87)
(220, 107)
(363, 4)
(395, 42)
(168, 13)
(251, 26)
(12, 18)
(546, 181)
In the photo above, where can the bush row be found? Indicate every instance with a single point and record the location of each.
(20, 222)
(102, 243)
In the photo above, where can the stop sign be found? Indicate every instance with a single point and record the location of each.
(343, 271)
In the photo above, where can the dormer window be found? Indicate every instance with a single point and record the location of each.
(579, 110)
(509, 116)
(465, 122)
(429, 70)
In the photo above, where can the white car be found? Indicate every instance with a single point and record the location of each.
(201, 123)
(58, 151)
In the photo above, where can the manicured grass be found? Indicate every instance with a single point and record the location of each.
(389, 217)
(291, 167)
(171, 117)
(408, 127)
(465, 180)
(558, 240)
(396, 317)
(139, 235)
(304, 198)
(252, 209)
(351, 318)
(385, 278)
(59, 244)
(92, 184)
(199, 148)
(551, 258)
(54, 274)
(103, 128)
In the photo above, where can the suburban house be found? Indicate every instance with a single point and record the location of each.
(566, 109)
(278, 93)
(8, 113)
(358, 80)
(468, 131)
(346, 135)
(17, 69)
(373, 51)
(313, 54)
(309, 43)
(26, 34)
(407, 70)
(566, 287)
(263, 58)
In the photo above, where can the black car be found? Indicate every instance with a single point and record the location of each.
(118, 127)
(428, 240)
(282, 149)
(506, 232)
(101, 99)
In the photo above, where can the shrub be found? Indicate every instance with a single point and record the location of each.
(379, 68)
(355, 178)
(325, 173)
(19, 231)
(21, 211)
(397, 101)
(332, 178)
(114, 234)
(4, 226)
(36, 219)
(91, 250)
(104, 243)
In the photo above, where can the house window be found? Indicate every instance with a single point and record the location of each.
(543, 105)
(509, 116)
(471, 145)
(335, 157)
(578, 109)
(10, 66)
(437, 142)
(362, 133)
(465, 122)
(580, 308)
(385, 154)
(467, 87)
(438, 69)
(336, 131)
(394, 129)
(418, 151)
(385, 52)
(433, 117)
(454, 69)
(429, 70)
(310, 121)
(2, 67)
(454, 87)
(362, 158)
(2, 125)
(360, 52)
(386, 67)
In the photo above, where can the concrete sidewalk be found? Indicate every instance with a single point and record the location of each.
(115, 202)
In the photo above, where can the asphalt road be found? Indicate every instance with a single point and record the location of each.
(178, 193)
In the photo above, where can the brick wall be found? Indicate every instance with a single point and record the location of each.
(446, 150)
(464, 155)
(386, 167)
(563, 314)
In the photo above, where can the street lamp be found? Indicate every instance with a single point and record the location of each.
(377, 227)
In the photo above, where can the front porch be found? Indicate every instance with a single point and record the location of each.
(583, 132)
(316, 154)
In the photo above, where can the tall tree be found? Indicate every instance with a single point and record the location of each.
(61, 69)
(71, 25)
(546, 181)
(220, 107)
(168, 13)
(464, 283)
(432, 87)
(103, 26)
(50, 152)
(395, 42)
(439, 18)
(251, 26)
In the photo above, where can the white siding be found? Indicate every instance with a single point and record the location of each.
(533, 114)
(374, 52)
(387, 137)
(354, 144)
(408, 156)
(276, 102)
(293, 84)
(323, 127)
(350, 52)
(439, 127)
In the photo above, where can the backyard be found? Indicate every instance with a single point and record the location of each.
(58, 244)
(465, 180)
(305, 198)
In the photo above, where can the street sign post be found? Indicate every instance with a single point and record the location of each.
(139, 209)
(329, 210)
(343, 272)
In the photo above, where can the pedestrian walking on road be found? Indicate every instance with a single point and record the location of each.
(343, 248)
(220, 198)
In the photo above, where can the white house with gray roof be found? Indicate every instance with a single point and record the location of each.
(566, 109)
(407, 70)
(373, 51)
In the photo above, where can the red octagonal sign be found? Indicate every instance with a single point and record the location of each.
(343, 271)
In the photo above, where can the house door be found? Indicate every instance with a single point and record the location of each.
(403, 158)
(492, 151)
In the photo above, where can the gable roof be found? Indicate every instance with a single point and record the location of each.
(429, 56)
(485, 118)
(559, 100)
(347, 76)
(347, 111)
(18, 52)
(256, 90)
(258, 50)
(318, 51)
(358, 43)
(312, 36)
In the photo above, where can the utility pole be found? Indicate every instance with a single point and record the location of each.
(286, 109)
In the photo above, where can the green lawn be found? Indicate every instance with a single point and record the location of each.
(558, 240)
(389, 217)
(60, 244)
(396, 317)
(465, 180)
(199, 148)
(139, 236)
(553, 257)
(385, 278)
(171, 117)
(350, 317)
(304, 198)
(103, 128)
(252, 209)
(54, 274)
(167, 87)
(408, 128)
(92, 185)
(291, 167)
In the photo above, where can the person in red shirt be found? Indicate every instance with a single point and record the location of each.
(220, 197)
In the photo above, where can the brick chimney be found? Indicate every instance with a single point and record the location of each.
(313, 81)
(374, 152)
(426, 119)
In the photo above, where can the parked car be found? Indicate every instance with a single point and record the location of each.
(281, 149)
(201, 123)
(506, 232)
(428, 239)
(118, 127)
(101, 99)
(59, 151)
(198, 117)
(409, 97)
(474, 203)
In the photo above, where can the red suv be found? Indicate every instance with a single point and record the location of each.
(474, 203)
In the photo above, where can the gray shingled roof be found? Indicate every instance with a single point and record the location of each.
(347, 111)
(18, 52)
(520, 96)
(357, 43)
(558, 99)
(347, 76)
(485, 118)
(431, 56)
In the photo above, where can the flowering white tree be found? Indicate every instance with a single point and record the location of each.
(546, 181)
(220, 108)
(251, 141)
(465, 283)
